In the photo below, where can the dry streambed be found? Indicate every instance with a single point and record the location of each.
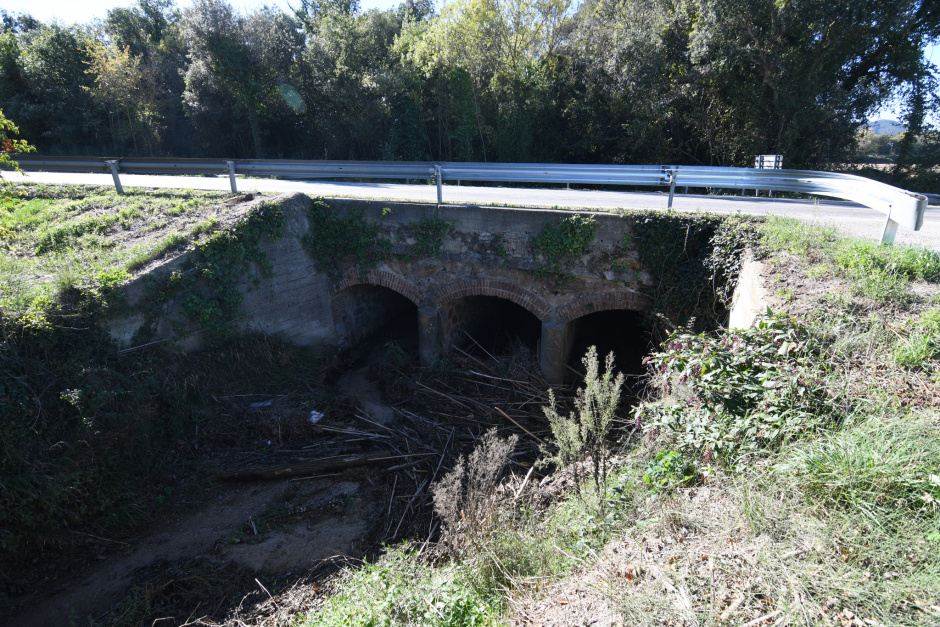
(296, 500)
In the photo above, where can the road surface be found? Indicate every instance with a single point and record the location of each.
(850, 218)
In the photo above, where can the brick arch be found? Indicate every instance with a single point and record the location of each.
(602, 301)
(494, 287)
(383, 278)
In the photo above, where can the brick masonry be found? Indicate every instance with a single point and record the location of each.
(486, 254)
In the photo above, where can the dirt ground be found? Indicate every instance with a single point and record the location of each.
(257, 551)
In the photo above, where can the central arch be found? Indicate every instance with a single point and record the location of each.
(499, 288)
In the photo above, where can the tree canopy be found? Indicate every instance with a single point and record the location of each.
(603, 81)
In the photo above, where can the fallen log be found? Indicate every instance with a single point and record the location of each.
(340, 462)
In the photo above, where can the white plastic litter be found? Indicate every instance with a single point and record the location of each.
(315, 417)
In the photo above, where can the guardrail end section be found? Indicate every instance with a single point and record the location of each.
(891, 229)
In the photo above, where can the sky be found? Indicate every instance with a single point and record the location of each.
(85, 10)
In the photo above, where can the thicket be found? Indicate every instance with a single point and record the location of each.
(693, 261)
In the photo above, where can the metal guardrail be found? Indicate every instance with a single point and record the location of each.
(933, 199)
(899, 206)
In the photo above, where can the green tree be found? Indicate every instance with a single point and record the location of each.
(243, 59)
(129, 94)
(9, 146)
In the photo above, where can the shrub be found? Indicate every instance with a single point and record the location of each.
(583, 434)
(743, 393)
(465, 498)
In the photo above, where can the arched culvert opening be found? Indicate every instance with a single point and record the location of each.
(622, 331)
(496, 325)
(375, 315)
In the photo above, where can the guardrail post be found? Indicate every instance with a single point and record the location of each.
(231, 175)
(113, 163)
(440, 190)
(673, 172)
(891, 229)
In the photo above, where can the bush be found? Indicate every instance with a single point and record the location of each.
(746, 392)
(583, 434)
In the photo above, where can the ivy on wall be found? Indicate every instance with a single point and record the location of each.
(694, 261)
(429, 235)
(208, 281)
(333, 238)
(560, 243)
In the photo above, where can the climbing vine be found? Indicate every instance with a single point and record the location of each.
(694, 262)
(561, 243)
(429, 235)
(333, 237)
(208, 281)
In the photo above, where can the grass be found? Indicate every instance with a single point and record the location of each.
(401, 589)
(879, 468)
(68, 235)
(882, 273)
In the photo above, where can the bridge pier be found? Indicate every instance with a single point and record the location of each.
(555, 348)
(429, 335)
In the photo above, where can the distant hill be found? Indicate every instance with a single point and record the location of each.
(886, 127)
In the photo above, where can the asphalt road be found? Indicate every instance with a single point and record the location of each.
(850, 218)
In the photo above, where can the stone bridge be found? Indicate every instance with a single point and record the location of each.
(485, 270)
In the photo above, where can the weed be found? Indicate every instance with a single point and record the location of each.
(465, 498)
(747, 392)
(668, 470)
(917, 351)
(583, 434)
(400, 589)
(395, 356)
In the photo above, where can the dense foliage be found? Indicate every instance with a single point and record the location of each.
(603, 81)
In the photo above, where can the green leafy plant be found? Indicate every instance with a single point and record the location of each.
(395, 356)
(560, 243)
(746, 392)
(668, 470)
(429, 235)
(333, 237)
